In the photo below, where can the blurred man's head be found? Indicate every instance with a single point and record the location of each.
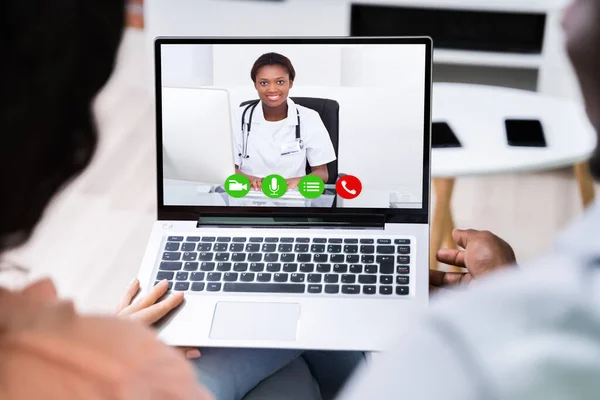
(56, 55)
(582, 28)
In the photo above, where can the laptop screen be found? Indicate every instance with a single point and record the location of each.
(315, 124)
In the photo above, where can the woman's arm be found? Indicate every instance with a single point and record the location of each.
(321, 171)
(255, 182)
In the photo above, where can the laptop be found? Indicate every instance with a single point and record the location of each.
(339, 274)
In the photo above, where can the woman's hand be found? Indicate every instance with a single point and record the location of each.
(146, 309)
(255, 182)
(292, 183)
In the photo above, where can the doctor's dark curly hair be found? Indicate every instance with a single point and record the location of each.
(56, 55)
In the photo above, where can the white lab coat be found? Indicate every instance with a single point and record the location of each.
(265, 147)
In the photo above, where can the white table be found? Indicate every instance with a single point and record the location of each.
(476, 114)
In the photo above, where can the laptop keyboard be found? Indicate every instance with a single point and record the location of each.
(295, 265)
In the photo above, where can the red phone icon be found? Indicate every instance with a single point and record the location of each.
(348, 187)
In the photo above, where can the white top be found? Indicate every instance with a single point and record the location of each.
(272, 147)
(476, 114)
(529, 333)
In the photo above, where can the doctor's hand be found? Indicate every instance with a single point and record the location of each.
(293, 183)
(255, 182)
(146, 309)
(483, 253)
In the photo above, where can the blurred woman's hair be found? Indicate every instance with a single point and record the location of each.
(56, 55)
(272, 59)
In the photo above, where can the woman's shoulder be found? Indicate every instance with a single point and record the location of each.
(309, 113)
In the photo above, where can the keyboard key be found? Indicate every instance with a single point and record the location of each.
(198, 286)
(386, 268)
(164, 275)
(403, 249)
(367, 259)
(221, 247)
(367, 279)
(297, 278)
(273, 267)
(331, 278)
(317, 248)
(191, 266)
(348, 278)
(271, 257)
(271, 240)
(386, 280)
(315, 278)
(213, 277)
(209, 239)
(403, 259)
(193, 238)
(224, 266)
(402, 241)
(205, 256)
(402, 280)
(256, 240)
(175, 239)
(170, 256)
(402, 290)
(323, 258)
(367, 241)
(386, 249)
(255, 257)
(239, 239)
(236, 247)
(280, 277)
(319, 240)
(301, 248)
(187, 246)
(204, 247)
(223, 239)
(182, 276)
(337, 258)
(367, 249)
(269, 248)
(290, 267)
(197, 276)
(285, 248)
(334, 248)
(351, 289)
(240, 267)
(403, 269)
(257, 267)
(287, 240)
(187, 256)
(252, 247)
(172, 246)
(214, 286)
(238, 257)
(332, 289)
(182, 286)
(207, 266)
(340, 268)
(222, 257)
(350, 240)
(352, 258)
(307, 267)
(304, 257)
(230, 276)
(385, 259)
(170, 266)
(356, 269)
(371, 269)
(302, 240)
(288, 257)
(350, 249)
(263, 277)
(247, 277)
(169, 287)
(335, 240)
(384, 241)
(385, 290)
(369, 289)
(315, 288)
(264, 287)
(324, 268)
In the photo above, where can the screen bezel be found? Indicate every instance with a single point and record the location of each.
(389, 215)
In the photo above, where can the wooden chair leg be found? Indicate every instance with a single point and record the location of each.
(585, 182)
(441, 216)
(448, 240)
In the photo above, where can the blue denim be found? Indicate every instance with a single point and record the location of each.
(230, 373)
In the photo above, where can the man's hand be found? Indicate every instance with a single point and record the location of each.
(293, 183)
(483, 253)
(146, 309)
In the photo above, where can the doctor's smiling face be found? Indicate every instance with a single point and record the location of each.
(273, 76)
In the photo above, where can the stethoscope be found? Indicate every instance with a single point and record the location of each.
(246, 132)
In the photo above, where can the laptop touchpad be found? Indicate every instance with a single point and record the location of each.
(255, 321)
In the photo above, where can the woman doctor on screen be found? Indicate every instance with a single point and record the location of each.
(278, 136)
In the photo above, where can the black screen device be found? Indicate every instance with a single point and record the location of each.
(525, 133)
(443, 136)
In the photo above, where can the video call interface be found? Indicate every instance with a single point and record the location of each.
(295, 125)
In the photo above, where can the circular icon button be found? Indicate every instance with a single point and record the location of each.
(348, 187)
(311, 186)
(237, 186)
(274, 186)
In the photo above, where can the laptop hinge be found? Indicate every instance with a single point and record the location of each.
(337, 221)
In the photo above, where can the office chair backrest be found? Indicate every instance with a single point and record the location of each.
(329, 110)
